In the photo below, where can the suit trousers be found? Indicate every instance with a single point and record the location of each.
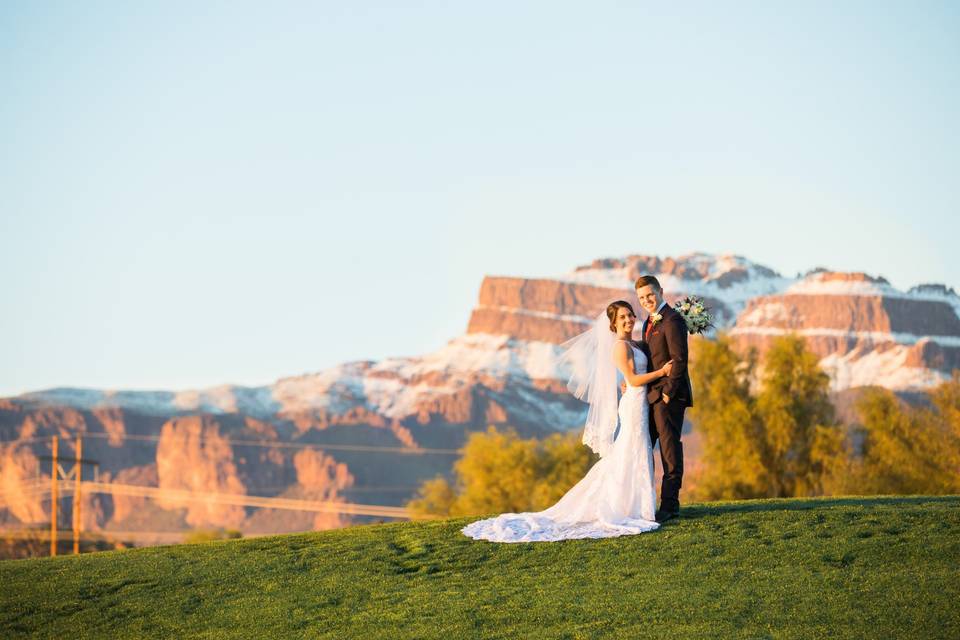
(666, 425)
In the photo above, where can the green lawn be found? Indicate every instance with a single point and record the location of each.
(849, 567)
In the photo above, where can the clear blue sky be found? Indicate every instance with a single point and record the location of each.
(194, 194)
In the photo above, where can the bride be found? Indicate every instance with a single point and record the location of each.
(616, 497)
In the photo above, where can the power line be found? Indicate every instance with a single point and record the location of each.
(178, 495)
(279, 445)
(26, 440)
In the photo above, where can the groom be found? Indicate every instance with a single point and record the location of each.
(665, 333)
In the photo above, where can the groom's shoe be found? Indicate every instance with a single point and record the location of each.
(663, 515)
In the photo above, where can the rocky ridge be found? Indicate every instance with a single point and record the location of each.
(504, 370)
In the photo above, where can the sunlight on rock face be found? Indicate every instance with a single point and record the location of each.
(19, 469)
(193, 456)
(322, 478)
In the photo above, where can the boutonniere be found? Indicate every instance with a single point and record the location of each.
(655, 318)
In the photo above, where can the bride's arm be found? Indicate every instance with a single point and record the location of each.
(625, 364)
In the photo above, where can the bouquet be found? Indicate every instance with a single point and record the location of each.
(695, 313)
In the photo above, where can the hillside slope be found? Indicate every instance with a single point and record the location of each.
(848, 567)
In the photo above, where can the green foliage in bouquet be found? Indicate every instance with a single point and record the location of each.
(695, 313)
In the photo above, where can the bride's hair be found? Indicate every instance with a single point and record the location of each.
(612, 312)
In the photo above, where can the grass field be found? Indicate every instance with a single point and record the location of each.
(839, 568)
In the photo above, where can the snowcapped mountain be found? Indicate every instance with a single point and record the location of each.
(866, 331)
(728, 281)
(344, 433)
(506, 368)
(474, 379)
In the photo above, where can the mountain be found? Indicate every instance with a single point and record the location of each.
(866, 332)
(309, 436)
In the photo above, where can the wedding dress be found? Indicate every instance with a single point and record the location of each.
(616, 497)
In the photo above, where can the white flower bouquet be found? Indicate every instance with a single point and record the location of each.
(695, 313)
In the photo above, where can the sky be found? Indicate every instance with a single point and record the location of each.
(197, 194)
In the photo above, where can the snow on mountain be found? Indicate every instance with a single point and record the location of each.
(866, 331)
(888, 368)
(395, 388)
(733, 280)
(505, 368)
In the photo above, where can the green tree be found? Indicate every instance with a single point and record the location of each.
(780, 441)
(563, 461)
(435, 497)
(725, 417)
(206, 535)
(501, 472)
(946, 400)
(909, 449)
(801, 443)
(496, 473)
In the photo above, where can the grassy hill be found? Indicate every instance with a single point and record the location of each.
(849, 567)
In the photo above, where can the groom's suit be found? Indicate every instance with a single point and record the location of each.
(667, 340)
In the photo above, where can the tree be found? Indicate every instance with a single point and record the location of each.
(563, 461)
(434, 497)
(946, 400)
(500, 472)
(725, 417)
(909, 449)
(801, 442)
(780, 441)
(496, 473)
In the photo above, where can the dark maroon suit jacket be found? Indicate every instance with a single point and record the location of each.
(666, 341)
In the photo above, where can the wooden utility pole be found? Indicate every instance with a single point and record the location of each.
(53, 500)
(76, 499)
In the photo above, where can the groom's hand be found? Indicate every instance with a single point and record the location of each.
(623, 387)
(666, 399)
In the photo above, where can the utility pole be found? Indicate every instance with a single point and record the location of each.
(76, 498)
(53, 501)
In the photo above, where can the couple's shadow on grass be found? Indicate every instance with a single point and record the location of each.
(696, 511)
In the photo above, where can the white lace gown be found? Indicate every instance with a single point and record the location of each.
(616, 497)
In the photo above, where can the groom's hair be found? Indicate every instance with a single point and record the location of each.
(643, 281)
